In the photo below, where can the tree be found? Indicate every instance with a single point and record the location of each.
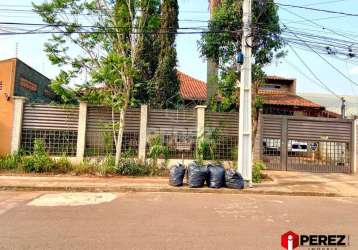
(148, 55)
(108, 34)
(165, 85)
(223, 42)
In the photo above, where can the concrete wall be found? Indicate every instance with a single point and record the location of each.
(7, 75)
(12, 71)
(25, 73)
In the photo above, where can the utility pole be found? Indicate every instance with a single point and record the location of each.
(343, 108)
(245, 124)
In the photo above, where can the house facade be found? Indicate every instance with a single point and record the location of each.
(278, 95)
(18, 79)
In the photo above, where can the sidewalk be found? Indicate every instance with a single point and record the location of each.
(284, 183)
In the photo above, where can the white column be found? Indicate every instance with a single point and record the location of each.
(200, 123)
(143, 133)
(81, 133)
(19, 102)
(245, 126)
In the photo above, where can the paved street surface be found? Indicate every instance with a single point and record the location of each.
(168, 220)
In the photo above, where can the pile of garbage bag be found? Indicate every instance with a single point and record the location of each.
(214, 175)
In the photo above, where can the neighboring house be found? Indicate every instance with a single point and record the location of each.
(192, 91)
(18, 79)
(278, 95)
(333, 104)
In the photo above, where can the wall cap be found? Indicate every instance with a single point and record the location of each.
(201, 106)
(19, 98)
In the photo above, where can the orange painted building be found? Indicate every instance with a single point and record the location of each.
(18, 79)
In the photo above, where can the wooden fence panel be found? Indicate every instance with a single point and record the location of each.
(172, 120)
(55, 126)
(226, 123)
(99, 118)
(50, 117)
(99, 134)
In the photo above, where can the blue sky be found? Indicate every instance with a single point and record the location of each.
(30, 47)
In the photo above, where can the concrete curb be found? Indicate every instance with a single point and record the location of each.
(166, 189)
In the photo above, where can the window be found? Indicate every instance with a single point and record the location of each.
(271, 86)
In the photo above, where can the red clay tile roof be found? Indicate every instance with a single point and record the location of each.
(191, 88)
(287, 100)
(194, 89)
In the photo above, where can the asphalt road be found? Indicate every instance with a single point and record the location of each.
(173, 221)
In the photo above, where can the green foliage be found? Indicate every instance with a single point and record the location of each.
(256, 171)
(207, 145)
(130, 167)
(39, 161)
(62, 165)
(106, 166)
(85, 167)
(157, 148)
(165, 85)
(222, 47)
(10, 162)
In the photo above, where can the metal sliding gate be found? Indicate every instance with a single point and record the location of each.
(307, 144)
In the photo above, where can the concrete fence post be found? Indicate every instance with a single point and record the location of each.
(143, 133)
(81, 132)
(19, 102)
(200, 123)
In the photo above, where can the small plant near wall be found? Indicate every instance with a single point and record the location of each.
(256, 171)
(10, 162)
(157, 149)
(207, 146)
(201, 149)
(39, 161)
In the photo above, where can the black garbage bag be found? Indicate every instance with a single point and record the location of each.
(216, 176)
(233, 179)
(177, 173)
(196, 175)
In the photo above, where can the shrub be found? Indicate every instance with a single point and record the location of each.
(131, 167)
(10, 162)
(85, 167)
(256, 171)
(207, 146)
(157, 170)
(63, 165)
(157, 149)
(39, 161)
(106, 166)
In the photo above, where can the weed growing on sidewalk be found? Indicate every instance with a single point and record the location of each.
(256, 171)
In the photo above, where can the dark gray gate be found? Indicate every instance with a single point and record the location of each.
(307, 144)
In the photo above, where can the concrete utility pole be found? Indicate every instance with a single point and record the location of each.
(245, 126)
(343, 108)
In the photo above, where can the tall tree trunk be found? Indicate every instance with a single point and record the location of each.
(120, 133)
(114, 128)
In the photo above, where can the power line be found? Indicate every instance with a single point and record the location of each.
(319, 10)
(324, 2)
(318, 25)
(115, 32)
(313, 74)
(334, 67)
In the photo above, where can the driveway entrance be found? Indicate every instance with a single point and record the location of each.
(307, 144)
